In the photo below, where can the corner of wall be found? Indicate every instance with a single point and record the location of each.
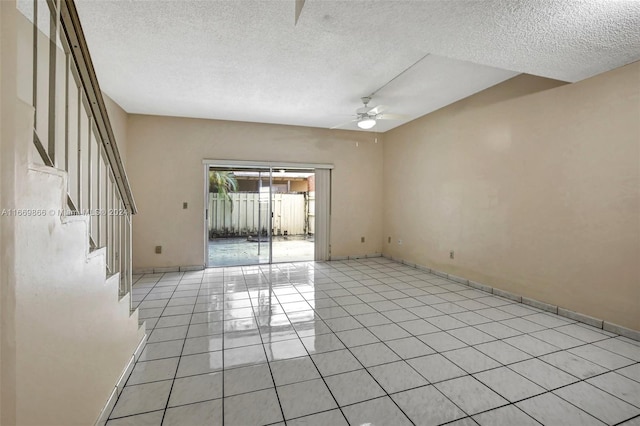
(119, 119)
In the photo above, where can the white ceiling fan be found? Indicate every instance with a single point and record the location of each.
(366, 117)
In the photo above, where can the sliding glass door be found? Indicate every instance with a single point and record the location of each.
(259, 215)
(238, 217)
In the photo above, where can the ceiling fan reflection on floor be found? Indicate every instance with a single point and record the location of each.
(366, 117)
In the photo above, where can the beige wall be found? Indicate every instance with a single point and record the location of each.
(165, 169)
(537, 194)
(118, 118)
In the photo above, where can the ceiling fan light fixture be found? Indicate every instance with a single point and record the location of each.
(366, 123)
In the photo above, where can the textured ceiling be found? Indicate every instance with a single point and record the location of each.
(246, 60)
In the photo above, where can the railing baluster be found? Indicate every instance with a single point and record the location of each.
(79, 153)
(107, 227)
(102, 184)
(53, 55)
(122, 251)
(97, 164)
(113, 220)
(71, 136)
(113, 224)
(67, 66)
(90, 179)
(35, 62)
(105, 194)
(129, 248)
(61, 105)
(88, 204)
(117, 223)
(95, 185)
(109, 213)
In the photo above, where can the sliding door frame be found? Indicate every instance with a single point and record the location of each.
(271, 165)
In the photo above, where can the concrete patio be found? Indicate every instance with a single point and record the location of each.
(241, 251)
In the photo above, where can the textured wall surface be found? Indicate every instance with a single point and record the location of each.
(165, 169)
(536, 194)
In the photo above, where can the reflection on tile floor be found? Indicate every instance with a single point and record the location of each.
(365, 342)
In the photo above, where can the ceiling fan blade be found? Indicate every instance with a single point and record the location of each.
(392, 117)
(363, 110)
(344, 124)
(378, 109)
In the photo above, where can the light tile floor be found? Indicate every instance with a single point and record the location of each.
(365, 342)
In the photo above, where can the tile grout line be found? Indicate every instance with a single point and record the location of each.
(625, 421)
(501, 365)
(526, 378)
(357, 278)
(264, 349)
(373, 378)
(430, 383)
(125, 384)
(318, 370)
(164, 413)
(136, 363)
(313, 362)
(437, 382)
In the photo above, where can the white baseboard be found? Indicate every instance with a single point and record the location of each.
(356, 256)
(165, 269)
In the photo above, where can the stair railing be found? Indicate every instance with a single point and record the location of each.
(72, 131)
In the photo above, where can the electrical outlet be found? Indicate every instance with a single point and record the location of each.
(185, 205)
(362, 239)
(451, 254)
(399, 242)
(158, 249)
(389, 240)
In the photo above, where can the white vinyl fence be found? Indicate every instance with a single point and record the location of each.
(292, 214)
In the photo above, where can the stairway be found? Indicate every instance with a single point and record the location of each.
(73, 336)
